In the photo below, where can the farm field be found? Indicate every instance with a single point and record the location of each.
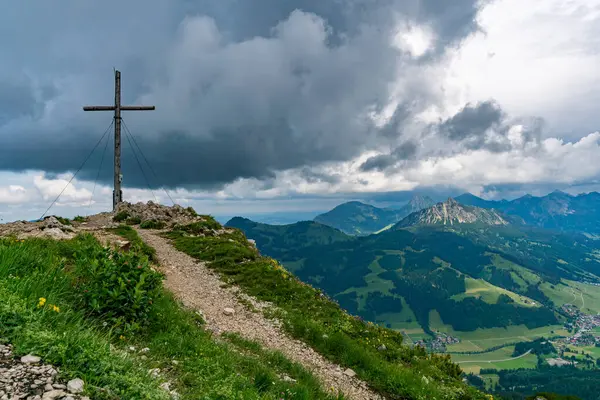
(499, 359)
(483, 339)
(489, 293)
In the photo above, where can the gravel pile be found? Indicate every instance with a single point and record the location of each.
(153, 211)
(26, 378)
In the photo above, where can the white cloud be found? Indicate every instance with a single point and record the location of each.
(13, 194)
(553, 161)
(50, 189)
(535, 58)
(414, 39)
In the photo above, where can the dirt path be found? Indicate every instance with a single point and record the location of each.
(199, 288)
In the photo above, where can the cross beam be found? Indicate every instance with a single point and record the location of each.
(117, 108)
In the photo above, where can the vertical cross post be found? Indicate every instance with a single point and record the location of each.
(117, 108)
(117, 193)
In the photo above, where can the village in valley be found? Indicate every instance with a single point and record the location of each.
(584, 327)
(439, 343)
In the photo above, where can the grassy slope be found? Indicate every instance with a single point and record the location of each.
(584, 296)
(87, 347)
(489, 293)
(475, 362)
(398, 371)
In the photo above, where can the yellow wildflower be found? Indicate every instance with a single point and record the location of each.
(122, 337)
(42, 302)
(55, 308)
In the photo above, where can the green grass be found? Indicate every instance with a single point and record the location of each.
(475, 362)
(489, 293)
(64, 221)
(153, 224)
(133, 221)
(586, 297)
(131, 235)
(373, 284)
(405, 319)
(309, 316)
(491, 337)
(505, 352)
(121, 216)
(86, 347)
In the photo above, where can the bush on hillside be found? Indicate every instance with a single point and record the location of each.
(121, 216)
(118, 287)
(64, 221)
(153, 224)
(192, 211)
(206, 226)
(133, 220)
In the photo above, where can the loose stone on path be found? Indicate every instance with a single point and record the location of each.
(28, 378)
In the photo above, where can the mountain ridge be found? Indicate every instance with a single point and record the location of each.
(556, 210)
(450, 212)
(357, 218)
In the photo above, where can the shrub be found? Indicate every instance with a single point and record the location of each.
(79, 218)
(121, 216)
(133, 220)
(153, 224)
(206, 226)
(192, 212)
(118, 287)
(64, 221)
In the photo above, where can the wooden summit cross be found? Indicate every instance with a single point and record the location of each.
(117, 108)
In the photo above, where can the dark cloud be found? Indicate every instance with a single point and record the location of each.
(382, 162)
(15, 101)
(453, 20)
(242, 88)
(472, 121)
(312, 176)
(486, 126)
(20, 99)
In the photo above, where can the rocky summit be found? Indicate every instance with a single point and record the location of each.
(450, 212)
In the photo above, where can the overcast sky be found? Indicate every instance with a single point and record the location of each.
(297, 105)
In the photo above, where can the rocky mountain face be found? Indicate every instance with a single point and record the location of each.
(417, 203)
(557, 210)
(451, 212)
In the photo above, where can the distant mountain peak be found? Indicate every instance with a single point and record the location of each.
(450, 212)
(559, 193)
(356, 218)
(416, 203)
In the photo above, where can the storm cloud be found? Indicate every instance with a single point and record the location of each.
(486, 126)
(242, 88)
(382, 162)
